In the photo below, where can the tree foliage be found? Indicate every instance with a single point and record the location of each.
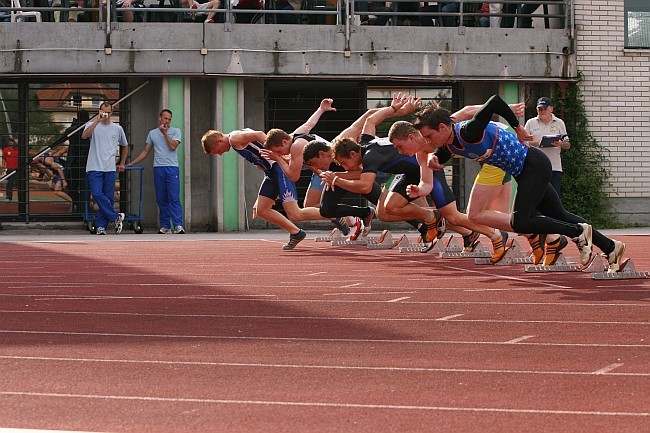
(585, 166)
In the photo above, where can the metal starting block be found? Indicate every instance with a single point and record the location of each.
(514, 255)
(361, 240)
(439, 246)
(335, 234)
(627, 272)
(479, 251)
(387, 242)
(562, 265)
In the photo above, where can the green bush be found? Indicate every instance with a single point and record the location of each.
(586, 173)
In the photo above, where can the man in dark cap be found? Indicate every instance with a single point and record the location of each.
(547, 124)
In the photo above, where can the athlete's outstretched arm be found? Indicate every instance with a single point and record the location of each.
(472, 131)
(325, 105)
(469, 111)
(401, 105)
(354, 131)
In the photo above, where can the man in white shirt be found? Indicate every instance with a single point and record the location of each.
(105, 136)
(546, 123)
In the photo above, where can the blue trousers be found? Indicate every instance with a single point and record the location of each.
(102, 187)
(168, 188)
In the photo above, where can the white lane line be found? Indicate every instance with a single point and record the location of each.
(609, 368)
(453, 316)
(29, 430)
(323, 404)
(317, 367)
(558, 304)
(328, 340)
(366, 293)
(316, 273)
(517, 340)
(336, 318)
(350, 285)
(399, 299)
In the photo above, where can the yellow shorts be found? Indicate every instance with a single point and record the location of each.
(491, 176)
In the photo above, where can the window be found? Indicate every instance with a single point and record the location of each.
(637, 24)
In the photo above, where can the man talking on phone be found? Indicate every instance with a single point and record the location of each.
(164, 141)
(105, 136)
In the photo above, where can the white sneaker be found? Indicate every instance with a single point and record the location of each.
(615, 257)
(164, 231)
(100, 231)
(584, 243)
(118, 223)
(179, 230)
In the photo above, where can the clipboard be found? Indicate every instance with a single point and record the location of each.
(548, 139)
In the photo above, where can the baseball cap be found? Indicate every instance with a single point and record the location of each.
(544, 102)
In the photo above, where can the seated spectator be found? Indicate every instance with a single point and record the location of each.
(427, 20)
(128, 17)
(247, 18)
(525, 20)
(284, 5)
(408, 7)
(201, 9)
(484, 20)
(370, 7)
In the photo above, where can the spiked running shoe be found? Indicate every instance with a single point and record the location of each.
(342, 225)
(499, 247)
(536, 242)
(584, 243)
(433, 227)
(470, 242)
(367, 221)
(294, 240)
(615, 258)
(356, 230)
(553, 250)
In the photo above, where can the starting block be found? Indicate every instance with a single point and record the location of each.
(387, 242)
(438, 246)
(627, 272)
(514, 255)
(335, 234)
(479, 252)
(361, 240)
(562, 265)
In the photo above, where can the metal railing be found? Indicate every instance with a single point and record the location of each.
(342, 12)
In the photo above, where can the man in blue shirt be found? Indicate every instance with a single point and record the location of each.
(165, 140)
(105, 136)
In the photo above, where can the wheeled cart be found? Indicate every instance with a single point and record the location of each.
(132, 219)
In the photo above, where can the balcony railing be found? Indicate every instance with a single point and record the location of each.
(511, 13)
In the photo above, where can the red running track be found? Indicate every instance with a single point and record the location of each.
(240, 336)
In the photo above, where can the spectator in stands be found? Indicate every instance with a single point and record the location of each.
(247, 18)
(370, 7)
(201, 9)
(525, 20)
(128, 17)
(284, 5)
